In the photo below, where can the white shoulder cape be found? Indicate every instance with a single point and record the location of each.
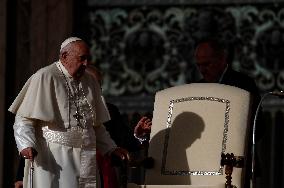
(45, 97)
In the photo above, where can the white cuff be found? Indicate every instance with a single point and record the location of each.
(140, 139)
(24, 133)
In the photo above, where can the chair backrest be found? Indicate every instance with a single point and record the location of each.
(192, 125)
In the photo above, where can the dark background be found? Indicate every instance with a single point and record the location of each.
(143, 47)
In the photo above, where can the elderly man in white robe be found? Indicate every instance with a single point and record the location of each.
(58, 123)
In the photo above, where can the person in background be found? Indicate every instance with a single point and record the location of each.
(121, 134)
(211, 59)
(58, 123)
(119, 131)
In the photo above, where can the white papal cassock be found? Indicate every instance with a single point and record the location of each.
(44, 120)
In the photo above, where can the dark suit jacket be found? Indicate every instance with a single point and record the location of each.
(119, 131)
(240, 80)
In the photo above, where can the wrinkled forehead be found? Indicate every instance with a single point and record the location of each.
(79, 47)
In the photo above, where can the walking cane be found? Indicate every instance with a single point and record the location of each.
(32, 175)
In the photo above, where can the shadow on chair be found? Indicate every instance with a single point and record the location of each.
(198, 136)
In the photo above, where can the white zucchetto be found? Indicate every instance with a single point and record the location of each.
(68, 41)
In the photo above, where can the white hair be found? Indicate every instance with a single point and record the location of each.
(68, 41)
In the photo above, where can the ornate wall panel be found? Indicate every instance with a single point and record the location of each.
(143, 49)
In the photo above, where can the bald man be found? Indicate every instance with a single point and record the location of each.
(58, 124)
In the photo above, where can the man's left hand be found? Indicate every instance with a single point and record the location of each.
(121, 153)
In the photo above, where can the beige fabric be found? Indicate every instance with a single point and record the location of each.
(197, 134)
(56, 163)
(45, 97)
(60, 163)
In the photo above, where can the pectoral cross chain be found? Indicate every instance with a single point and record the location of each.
(78, 118)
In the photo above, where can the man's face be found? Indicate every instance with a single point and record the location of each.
(76, 59)
(209, 63)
